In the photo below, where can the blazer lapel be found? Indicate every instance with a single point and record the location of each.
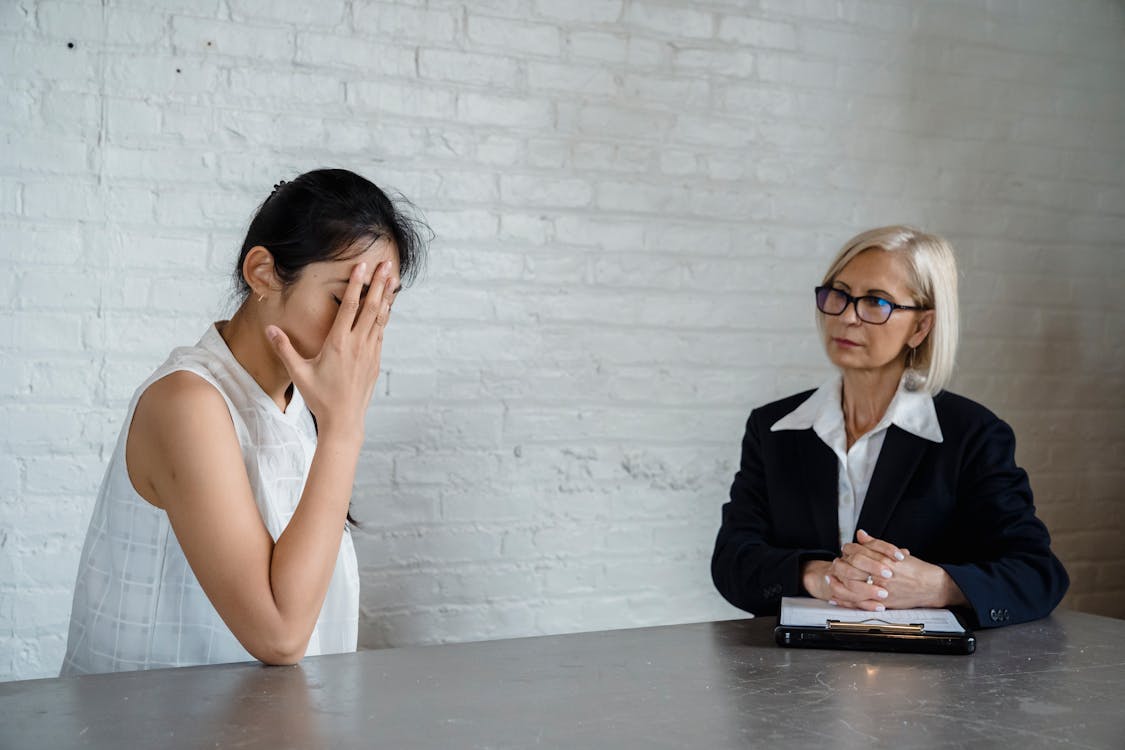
(820, 473)
(897, 462)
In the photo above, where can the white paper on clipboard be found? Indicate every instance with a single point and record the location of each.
(800, 611)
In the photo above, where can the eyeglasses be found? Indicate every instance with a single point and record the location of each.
(869, 308)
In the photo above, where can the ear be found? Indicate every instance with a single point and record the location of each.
(922, 328)
(260, 273)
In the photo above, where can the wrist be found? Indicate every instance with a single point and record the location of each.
(340, 430)
(340, 436)
(947, 592)
(812, 576)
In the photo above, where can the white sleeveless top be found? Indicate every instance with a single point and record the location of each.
(137, 603)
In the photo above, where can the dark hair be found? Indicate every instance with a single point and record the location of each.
(320, 215)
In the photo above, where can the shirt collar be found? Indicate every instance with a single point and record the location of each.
(912, 411)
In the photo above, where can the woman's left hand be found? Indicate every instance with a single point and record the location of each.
(913, 581)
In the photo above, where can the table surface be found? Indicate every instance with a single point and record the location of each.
(1057, 681)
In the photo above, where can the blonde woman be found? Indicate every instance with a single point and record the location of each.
(880, 489)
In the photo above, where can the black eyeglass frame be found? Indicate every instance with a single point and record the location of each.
(854, 302)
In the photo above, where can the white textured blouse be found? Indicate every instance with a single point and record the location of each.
(137, 603)
(823, 411)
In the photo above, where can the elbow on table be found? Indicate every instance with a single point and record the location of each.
(723, 576)
(282, 650)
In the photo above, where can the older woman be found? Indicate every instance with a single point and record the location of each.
(880, 489)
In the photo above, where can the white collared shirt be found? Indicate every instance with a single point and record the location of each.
(823, 411)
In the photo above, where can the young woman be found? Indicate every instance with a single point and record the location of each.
(881, 490)
(220, 531)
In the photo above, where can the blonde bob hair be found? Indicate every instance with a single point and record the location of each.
(933, 285)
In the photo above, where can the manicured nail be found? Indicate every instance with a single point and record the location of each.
(362, 268)
(899, 556)
(881, 593)
(880, 608)
(385, 268)
(832, 602)
(828, 580)
(887, 573)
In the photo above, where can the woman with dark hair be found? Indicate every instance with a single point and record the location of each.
(220, 531)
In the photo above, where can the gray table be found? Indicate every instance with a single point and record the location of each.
(1058, 681)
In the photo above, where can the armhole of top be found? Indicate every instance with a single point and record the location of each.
(127, 429)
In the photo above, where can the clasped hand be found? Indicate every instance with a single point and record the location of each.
(874, 575)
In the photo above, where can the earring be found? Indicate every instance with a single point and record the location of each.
(261, 297)
(912, 380)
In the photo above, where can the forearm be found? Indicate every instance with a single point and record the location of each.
(305, 554)
(1010, 590)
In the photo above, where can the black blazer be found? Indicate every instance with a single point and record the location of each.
(962, 504)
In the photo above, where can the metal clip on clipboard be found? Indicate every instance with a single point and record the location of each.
(875, 625)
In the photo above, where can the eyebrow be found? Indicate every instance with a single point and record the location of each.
(869, 292)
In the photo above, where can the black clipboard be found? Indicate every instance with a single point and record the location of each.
(873, 634)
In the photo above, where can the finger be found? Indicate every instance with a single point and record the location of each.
(844, 595)
(285, 351)
(349, 305)
(388, 301)
(868, 560)
(876, 567)
(885, 548)
(854, 585)
(845, 571)
(851, 549)
(376, 292)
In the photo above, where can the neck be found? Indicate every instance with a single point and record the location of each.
(866, 394)
(245, 336)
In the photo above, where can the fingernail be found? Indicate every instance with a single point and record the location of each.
(881, 593)
(880, 608)
(832, 602)
(899, 556)
(385, 268)
(887, 573)
(828, 580)
(362, 268)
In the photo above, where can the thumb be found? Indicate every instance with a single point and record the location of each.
(284, 349)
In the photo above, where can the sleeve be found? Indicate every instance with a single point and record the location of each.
(1013, 576)
(747, 569)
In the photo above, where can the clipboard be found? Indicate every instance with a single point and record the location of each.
(910, 631)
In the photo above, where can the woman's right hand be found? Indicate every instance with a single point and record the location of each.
(338, 382)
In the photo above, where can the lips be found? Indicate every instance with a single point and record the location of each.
(846, 343)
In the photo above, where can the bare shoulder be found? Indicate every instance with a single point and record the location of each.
(178, 419)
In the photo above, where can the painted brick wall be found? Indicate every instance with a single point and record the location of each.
(632, 199)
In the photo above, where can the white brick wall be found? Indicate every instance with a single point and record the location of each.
(632, 200)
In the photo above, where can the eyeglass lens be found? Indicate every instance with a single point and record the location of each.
(870, 309)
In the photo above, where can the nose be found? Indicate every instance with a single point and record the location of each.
(850, 315)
